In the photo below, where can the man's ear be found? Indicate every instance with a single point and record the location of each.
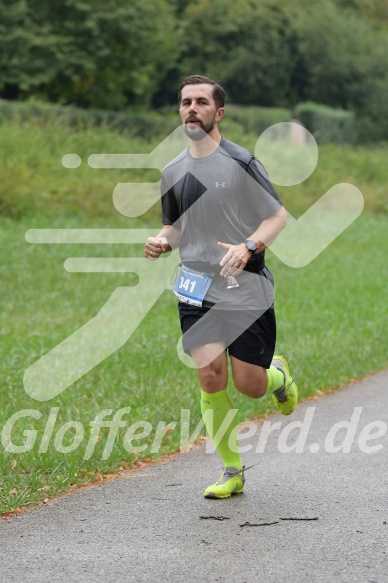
(220, 113)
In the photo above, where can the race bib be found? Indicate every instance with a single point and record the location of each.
(191, 286)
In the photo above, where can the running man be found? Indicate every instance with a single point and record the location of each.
(221, 211)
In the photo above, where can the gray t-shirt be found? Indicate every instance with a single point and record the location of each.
(222, 197)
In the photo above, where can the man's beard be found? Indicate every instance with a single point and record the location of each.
(198, 132)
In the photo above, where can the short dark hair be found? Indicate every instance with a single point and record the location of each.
(219, 92)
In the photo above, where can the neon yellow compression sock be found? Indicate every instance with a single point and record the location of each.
(220, 404)
(275, 379)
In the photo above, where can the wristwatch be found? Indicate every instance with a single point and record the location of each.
(251, 245)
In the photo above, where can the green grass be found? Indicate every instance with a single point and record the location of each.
(365, 167)
(332, 314)
(332, 322)
(34, 182)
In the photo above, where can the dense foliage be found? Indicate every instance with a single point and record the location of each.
(105, 53)
(117, 54)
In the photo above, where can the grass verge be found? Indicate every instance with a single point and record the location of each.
(332, 321)
(33, 181)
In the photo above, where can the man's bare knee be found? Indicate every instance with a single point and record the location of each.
(212, 378)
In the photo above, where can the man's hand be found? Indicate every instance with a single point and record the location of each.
(155, 246)
(235, 259)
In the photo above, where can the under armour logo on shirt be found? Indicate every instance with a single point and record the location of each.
(220, 184)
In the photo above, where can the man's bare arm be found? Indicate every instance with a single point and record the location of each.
(269, 229)
(237, 256)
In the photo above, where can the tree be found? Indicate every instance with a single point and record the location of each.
(340, 54)
(104, 53)
(243, 44)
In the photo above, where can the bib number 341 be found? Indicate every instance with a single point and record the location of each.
(191, 286)
(187, 284)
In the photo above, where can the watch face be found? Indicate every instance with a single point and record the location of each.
(252, 246)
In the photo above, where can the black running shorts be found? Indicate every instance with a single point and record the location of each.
(248, 335)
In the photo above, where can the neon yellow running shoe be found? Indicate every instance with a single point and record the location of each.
(285, 398)
(231, 482)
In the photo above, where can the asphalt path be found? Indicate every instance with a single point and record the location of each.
(328, 481)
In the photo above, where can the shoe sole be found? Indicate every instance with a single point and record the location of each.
(289, 412)
(215, 497)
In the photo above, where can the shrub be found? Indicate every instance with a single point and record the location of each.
(257, 119)
(327, 124)
(138, 124)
